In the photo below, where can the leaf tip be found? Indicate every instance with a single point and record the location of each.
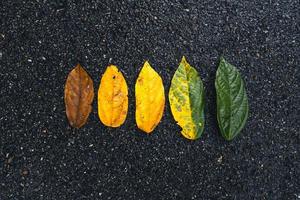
(147, 64)
(147, 131)
(147, 67)
(222, 59)
(228, 138)
(78, 66)
(184, 61)
(112, 67)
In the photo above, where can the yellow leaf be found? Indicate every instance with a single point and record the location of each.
(150, 99)
(112, 98)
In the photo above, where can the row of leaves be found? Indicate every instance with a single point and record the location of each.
(186, 97)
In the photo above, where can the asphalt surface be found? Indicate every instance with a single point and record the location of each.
(42, 157)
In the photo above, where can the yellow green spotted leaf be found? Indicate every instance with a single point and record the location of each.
(149, 98)
(186, 98)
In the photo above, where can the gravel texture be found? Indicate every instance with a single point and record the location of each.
(42, 157)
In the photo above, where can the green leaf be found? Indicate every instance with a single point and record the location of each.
(186, 98)
(232, 102)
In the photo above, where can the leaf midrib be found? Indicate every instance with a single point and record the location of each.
(186, 71)
(79, 95)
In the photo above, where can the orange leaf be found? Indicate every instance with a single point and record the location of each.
(112, 98)
(79, 95)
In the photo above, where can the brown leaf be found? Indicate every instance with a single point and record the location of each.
(79, 95)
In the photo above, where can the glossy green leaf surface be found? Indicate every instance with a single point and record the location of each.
(232, 101)
(186, 98)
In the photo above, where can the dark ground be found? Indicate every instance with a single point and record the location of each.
(41, 157)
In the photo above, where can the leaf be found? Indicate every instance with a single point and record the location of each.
(112, 98)
(232, 102)
(186, 98)
(150, 99)
(79, 95)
